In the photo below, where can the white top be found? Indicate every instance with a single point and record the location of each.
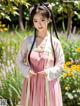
(53, 72)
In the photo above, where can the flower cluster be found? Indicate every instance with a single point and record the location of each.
(3, 27)
(78, 50)
(70, 69)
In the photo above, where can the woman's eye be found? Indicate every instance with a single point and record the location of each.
(35, 21)
(43, 20)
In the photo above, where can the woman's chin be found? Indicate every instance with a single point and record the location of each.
(40, 29)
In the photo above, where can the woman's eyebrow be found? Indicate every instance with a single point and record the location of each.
(34, 19)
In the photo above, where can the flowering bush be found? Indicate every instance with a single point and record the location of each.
(10, 78)
(71, 75)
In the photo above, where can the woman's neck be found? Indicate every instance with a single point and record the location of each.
(42, 34)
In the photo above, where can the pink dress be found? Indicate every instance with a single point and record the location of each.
(39, 90)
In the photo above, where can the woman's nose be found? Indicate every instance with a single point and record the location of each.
(40, 23)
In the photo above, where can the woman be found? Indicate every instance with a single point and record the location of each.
(41, 59)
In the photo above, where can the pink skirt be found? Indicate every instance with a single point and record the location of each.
(38, 91)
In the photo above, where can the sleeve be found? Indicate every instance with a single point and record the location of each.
(54, 72)
(24, 68)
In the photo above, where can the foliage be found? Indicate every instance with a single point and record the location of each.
(11, 6)
(70, 45)
(10, 77)
(71, 75)
(11, 88)
(70, 84)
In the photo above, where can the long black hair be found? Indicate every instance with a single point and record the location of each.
(44, 10)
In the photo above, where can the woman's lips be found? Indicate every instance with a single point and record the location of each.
(40, 27)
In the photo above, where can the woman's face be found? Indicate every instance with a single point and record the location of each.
(40, 22)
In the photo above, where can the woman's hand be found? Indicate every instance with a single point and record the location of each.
(43, 73)
(32, 73)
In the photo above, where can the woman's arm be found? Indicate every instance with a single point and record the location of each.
(55, 71)
(22, 54)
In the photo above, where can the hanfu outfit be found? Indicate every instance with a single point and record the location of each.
(38, 90)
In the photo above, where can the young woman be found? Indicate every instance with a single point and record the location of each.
(41, 59)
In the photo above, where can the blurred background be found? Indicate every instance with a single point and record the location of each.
(15, 25)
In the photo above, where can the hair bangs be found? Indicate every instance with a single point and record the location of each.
(42, 12)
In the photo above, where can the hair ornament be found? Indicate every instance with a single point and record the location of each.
(48, 5)
(31, 8)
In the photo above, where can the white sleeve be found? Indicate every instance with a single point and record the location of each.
(24, 68)
(54, 72)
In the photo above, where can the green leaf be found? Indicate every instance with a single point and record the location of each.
(78, 15)
(2, 13)
(14, 89)
(7, 17)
